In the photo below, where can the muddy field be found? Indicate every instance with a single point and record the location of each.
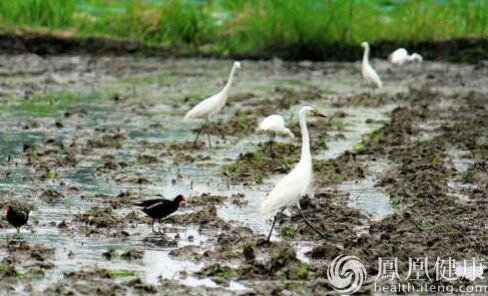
(400, 172)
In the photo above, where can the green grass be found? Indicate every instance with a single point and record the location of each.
(234, 26)
(121, 272)
(43, 105)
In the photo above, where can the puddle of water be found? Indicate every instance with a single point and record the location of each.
(356, 126)
(460, 160)
(364, 195)
(461, 163)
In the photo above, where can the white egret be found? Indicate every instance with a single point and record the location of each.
(293, 186)
(273, 125)
(212, 105)
(369, 74)
(400, 56)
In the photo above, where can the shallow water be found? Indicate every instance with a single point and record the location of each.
(166, 177)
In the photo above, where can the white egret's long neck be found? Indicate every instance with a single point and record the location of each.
(306, 156)
(229, 81)
(366, 54)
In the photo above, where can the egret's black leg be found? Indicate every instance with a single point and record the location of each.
(198, 135)
(272, 143)
(308, 223)
(209, 141)
(272, 227)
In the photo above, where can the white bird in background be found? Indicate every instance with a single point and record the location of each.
(400, 56)
(211, 106)
(294, 185)
(369, 73)
(273, 125)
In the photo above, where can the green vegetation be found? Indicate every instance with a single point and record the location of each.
(234, 26)
(288, 233)
(7, 270)
(303, 272)
(121, 272)
(396, 200)
(46, 104)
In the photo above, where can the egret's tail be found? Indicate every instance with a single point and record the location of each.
(379, 83)
(189, 115)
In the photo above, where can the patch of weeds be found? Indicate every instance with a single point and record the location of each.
(121, 272)
(7, 270)
(376, 137)
(303, 272)
(396, 200)
(288, 233)
(47, 104)
(435, 159)
(221, 274)
(358, 147)
(254, 166)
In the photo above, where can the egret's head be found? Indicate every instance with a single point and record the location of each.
(364, 44)
(313, 111)
(237, 65)
(306, 109)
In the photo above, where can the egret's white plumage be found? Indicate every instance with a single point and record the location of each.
(400, 56)
(212, 105)
(369, 74)
(274, 124)
(294, 185)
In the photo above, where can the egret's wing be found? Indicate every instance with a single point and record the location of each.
(374, 77)
(287, 191)
(205, 108)
(274, 123)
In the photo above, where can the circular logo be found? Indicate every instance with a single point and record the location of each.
(346, 274)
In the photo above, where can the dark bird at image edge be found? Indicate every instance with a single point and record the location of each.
(17, 217)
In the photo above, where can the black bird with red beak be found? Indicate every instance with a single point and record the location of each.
(17, 217)
(160, 208)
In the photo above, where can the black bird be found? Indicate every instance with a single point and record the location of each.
(17, 217)
(160, 208)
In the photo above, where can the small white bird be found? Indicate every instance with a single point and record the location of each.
(369, 74)
(294, 185)
(273, 125)
(400, 56)
(211, 106)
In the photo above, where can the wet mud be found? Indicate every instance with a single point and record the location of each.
(78, 149)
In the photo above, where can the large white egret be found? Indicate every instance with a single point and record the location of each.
(293, 186)
(369, 74)
(212, 105)
(400, 56)
(273, 125)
